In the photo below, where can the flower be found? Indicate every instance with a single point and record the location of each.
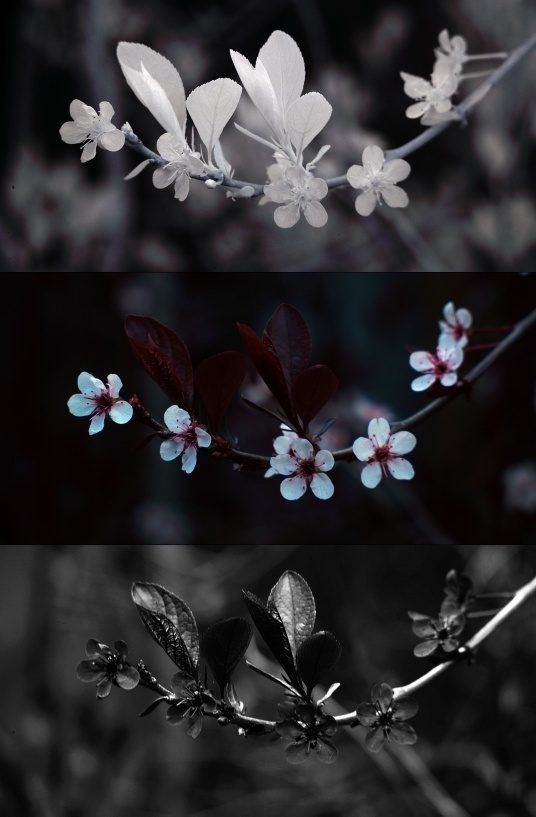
(107, 667)
(440, 366)
(456, 324)
(458, 594)
(303, 467)
(383, 451)
(452, 51)
(187, 438)
(92, 128)
(310, 731)
(432, 95)
(438, 632)
(378, 179)
(300, 192)
(193, 698)
(181, 162)
(385, 717)
(98, 400)
(282, 445)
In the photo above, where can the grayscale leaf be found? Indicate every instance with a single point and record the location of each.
(306, 117)
(285, 67)
(259, 88)
(254, 136)
(164, 74)
(137, 170)
(211, 106)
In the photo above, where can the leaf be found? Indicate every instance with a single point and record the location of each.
(157, 599)
(272, 630)
(217, 378)
(168, 637)
(157, 84)
(306, 117)
(259, 88)
(294, 601)
(164, 356)
(285, 67)
(316, 656)
(151, 707)
(268, 366)
(312, 389)
(211, 106)
(291, 341)
(224, 644)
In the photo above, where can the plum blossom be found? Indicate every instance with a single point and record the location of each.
(298, 191)
(193, 701)
(385, 718)
(456, 325)
(378, 179)
(92, 128)
(383, 450)
(282, 445)
(309, 730)
(97, 401)
(187, 438)
(303, 467)
(107, 667)
(181, 162)
(441, 366)
(452, 51)
(434, 95)
(438, 632)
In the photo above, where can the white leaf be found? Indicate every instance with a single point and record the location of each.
(305, 119)
(137, 170)
(259, 88)
(131, 57)
(285, 66)
(211, 106)
(312, 164)
(221, 161)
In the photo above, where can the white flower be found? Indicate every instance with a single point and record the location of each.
(440, 366)
(187, 438)
(378, 179)
(432, 95)
(181, 162)
(92, 128)
(383, 451)
(282, 445)
(455, 325)
(452, 51)
(300, 192)
(303, 467)
(97, 400)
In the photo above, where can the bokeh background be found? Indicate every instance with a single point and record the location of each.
(471, 190)
(475, 460)
(64, 754)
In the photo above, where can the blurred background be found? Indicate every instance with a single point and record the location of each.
(471, 190)
(65, 754)
(475, 460)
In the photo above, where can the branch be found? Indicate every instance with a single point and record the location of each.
(459, 115)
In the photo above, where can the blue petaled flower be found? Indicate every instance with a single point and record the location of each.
(107, 667)
(386, 717)
(309, 730)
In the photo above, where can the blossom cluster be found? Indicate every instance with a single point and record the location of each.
(441, 632)
(442, 366)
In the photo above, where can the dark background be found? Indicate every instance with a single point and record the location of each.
(63, 486)
(471, 190)
(64, 754)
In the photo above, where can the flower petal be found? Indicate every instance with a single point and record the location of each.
(382, 694)
(400, 468)
(284, 464)
(89, 385)
(128, 678)
(287, 216)
(421, 361)
(172, 448)
(80, 405)
(315, 214)
(425, 648)
(97, 423)
(293, 487)
(121, 412)
(394, 196)
(322, 486)
(405, 708)
(367, 714)
(177, 419)
(380, 429)
(366, 202)
(326, 751)
(302, 449)
(396, 170)
(358, 177)
(375, 739)
(403, 733)
(449, 379)
(324, 460)
(115, 384)
(402, 442)
(423, 383)
(189, 459)
(297, 752)
(371, 475)
(363, 449)
(203, 438)
(373, 159)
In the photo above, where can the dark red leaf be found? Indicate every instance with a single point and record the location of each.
(316, 656)
(217, 379)
(312, 390)
(268, 366)
(224, 643)
(164, 356)
(291, 341)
